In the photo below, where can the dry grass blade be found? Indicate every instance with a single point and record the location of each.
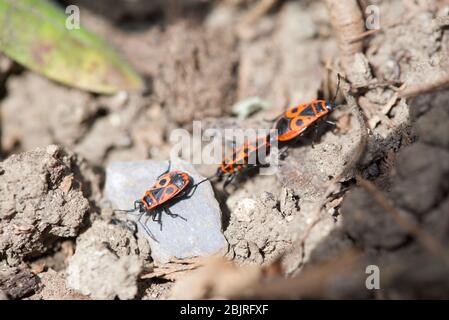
(387, 107)
(172, 270)
(428, 242)
(364, 35)
(312, 282)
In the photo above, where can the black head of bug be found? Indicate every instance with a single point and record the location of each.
(220, 173)
(330, 105)
(147, 200)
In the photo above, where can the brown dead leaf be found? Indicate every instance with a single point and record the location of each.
(217, 278)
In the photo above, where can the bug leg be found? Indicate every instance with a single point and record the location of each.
(173, 215)
(228, 180)
(188, 194)
(144, 226)
(137, 206)
(146, 220)
(130, 225)
(231, 143)
(157, 217)
(315, 135)
(284, 153)
(159, 220)
(192, 191)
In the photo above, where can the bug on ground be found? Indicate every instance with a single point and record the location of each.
(245, 157)
(293, 122)
(169, 187)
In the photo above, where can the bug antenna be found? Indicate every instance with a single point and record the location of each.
(338, 88)
(206, 179)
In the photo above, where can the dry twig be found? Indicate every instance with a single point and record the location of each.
(175, 268)
(363, 35)
(313, 282)
(421, 88)
(347, 21)
(259, 10)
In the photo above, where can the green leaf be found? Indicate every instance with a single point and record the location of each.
(34, 34)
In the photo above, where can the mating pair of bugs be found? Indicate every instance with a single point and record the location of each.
(289, 126)
(172, 186)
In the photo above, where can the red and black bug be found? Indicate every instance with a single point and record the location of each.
(169, 187)
(245, 157)
(293, 122)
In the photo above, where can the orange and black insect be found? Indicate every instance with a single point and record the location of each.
(244, 157)
(293, 122)
(169, 187)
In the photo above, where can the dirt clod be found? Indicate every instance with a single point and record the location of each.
(114, 270)
(36, 207)
(54, 287)
(371, 190)
(104, 277)
(17, 282)
(257, 229)
(196, 79)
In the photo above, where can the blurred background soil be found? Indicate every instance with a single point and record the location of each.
(374, 190)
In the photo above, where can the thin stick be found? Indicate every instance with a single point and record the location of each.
(165, 272)
(312, 282)
(411, 91)
(364, 35)
(259, 10)
(346, 19)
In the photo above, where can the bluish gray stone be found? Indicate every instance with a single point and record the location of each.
(198, 235)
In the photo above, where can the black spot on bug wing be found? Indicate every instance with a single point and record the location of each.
(169, 190)
(307, 111)
(282, 126)
(157, 193)
(178, 181)
(299, 122)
